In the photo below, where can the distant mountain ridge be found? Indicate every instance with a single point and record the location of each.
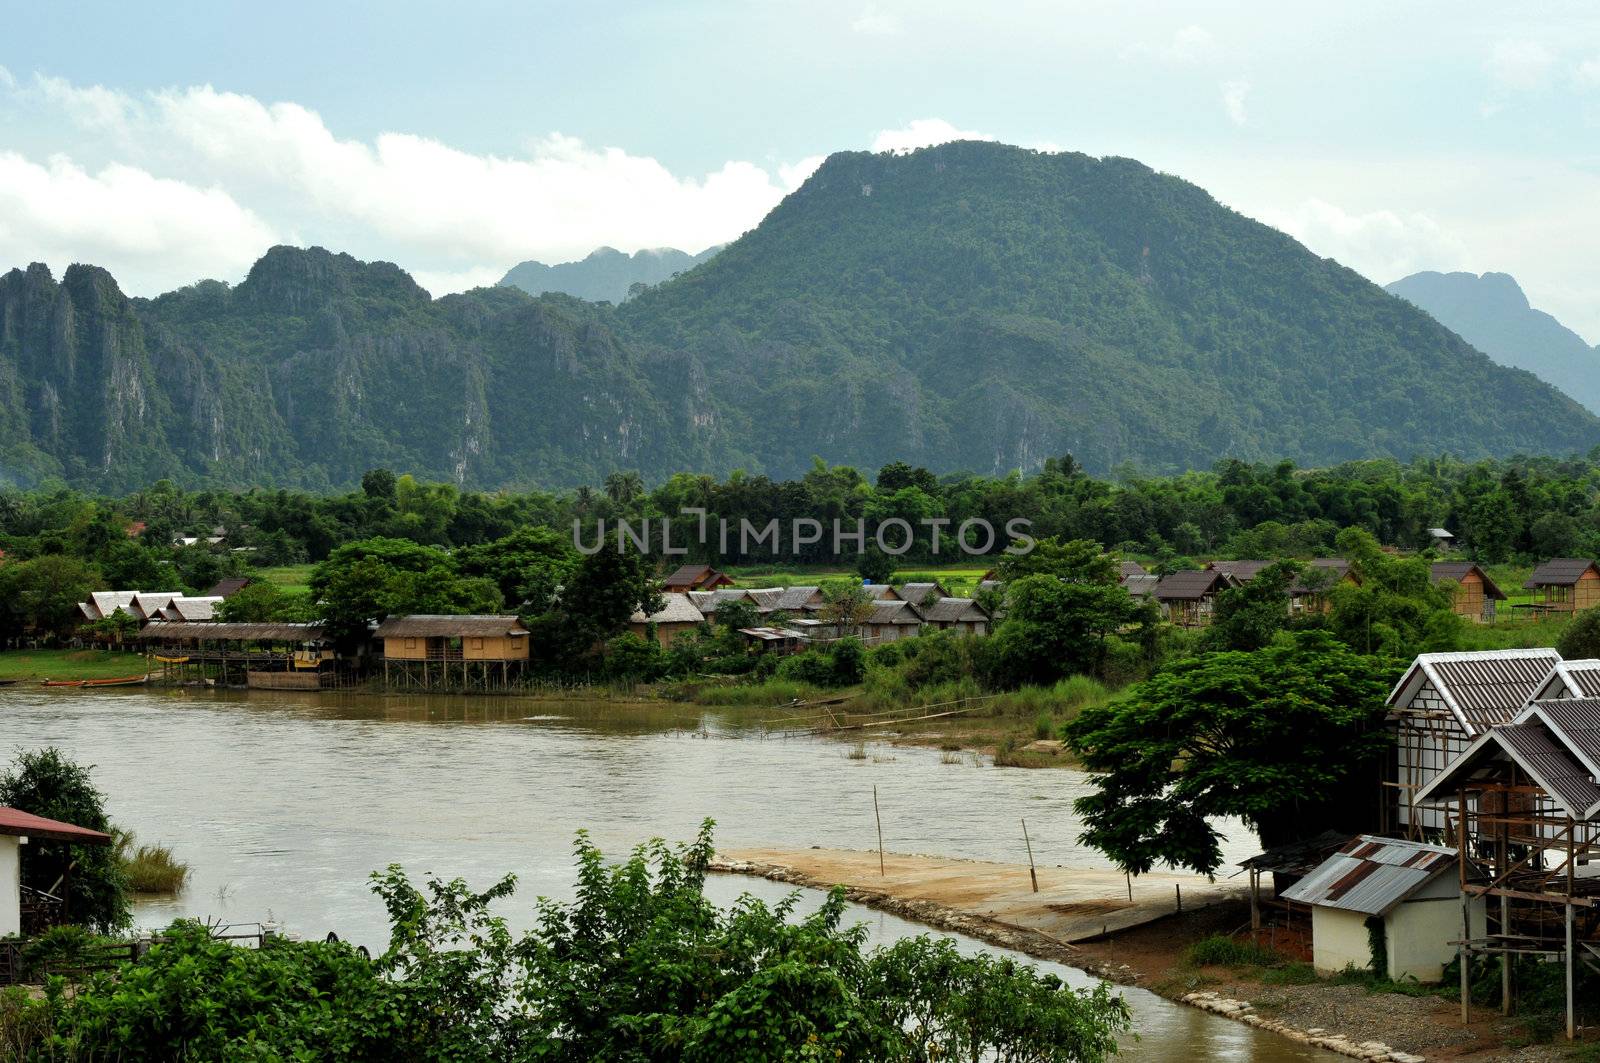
(966, 307)
(605, 274)
(1492, 313)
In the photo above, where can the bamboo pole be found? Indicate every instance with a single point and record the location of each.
(1033, 875)
(879, 817)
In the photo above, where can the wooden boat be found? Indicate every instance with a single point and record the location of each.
(119, 681)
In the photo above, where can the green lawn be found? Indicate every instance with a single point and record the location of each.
(289, 577)
(34, 665)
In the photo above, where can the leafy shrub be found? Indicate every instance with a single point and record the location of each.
(1219, 950)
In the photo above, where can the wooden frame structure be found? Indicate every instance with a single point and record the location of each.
(272, 655)
(462, 654)
(1526, 809)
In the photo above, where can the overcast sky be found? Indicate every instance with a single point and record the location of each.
(178, 141)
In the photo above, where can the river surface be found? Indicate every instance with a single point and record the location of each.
(283, 804)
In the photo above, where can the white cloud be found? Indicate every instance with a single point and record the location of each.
(875, 22)
(94, 107)
(1234, 94)
(923, 133)
(6, 80)
(1191, 44)
(446, 282)
(1521, 66)
(793, 175)
(164, 231)
(1383, 245)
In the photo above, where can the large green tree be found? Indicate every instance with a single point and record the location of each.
(1285, 738)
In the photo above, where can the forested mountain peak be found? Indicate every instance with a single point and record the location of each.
(1492, 313)
(604, 274)
(966, 307)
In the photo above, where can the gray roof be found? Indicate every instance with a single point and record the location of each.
(1141, 586)
(951, 611)
(433, 625)
(1577, 679)
(892, 612)
(1371, 875)
(998, 586)
(915, 592)
(1556, 742)
(180, 631)
(1191, 586)
(880, 591)
(190, 609)
(1440, 533)
(795, 598)
(1133, 568)
(765, 599)
(1481, 687)
(676, 608)
(1559, 572)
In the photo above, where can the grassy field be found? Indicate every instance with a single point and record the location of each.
(289, 577)
(958, 578)
(34, 665)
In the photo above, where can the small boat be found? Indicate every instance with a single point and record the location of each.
(120, 681)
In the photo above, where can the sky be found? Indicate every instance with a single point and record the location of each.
(175, 142)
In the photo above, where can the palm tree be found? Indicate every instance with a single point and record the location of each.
(623, 487)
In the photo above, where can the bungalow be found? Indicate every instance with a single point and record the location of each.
(676, 617)
(1128, 568)
(800, 600)
(952, 614)
(882, 592)
(425, 636)
(1309, 593)
(1408, 886)
(1475, 593)
(1566, 584)
(695, 578)
(1187, 598)
(1442, 703)
(889, 621)
(18, 828)
(227, 588)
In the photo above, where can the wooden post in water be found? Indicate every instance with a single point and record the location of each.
(1033, 875)
(879, 817)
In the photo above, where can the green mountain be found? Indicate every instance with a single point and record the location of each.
(970, 306)
(1492, 313)
(605, 274)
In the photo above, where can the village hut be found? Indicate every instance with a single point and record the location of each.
(695, 578)
(890, 621)
(1131, 568)
(431, 652)
(800, 600)
(916, 593)
(227, 588)
(677, 617)
(1309, 593)
(1188, 598)
(953, 614)
(1565, 585)
(882, 592)
(1409, 887)
(183, 609)
(1476, 594)
(1243, 571)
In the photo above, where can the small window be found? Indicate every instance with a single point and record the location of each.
(477, 644)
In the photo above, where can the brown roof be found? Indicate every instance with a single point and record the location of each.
(179, 631)
(228, 587)
(1456, 571)
(892, 612)
(1191, 586)
(17, 823)
(915, 592)
(1133, 568)
(1321, 574)
(881, 591)
(695, 577)
(430, 626)
(1559, 572)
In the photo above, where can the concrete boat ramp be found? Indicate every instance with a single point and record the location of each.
(1073, 904)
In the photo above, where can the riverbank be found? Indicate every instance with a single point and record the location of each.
(22, 666)
(1145, 942)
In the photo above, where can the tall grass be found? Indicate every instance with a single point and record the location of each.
(149, 868)
(1218, 950)
(772, 691)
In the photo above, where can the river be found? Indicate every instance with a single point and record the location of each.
(283, 804)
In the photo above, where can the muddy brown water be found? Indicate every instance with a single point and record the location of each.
(283, 804)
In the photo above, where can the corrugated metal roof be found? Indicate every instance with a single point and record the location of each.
(1481, 687)
(1559, 572)
(430, 625)
(17, 823)
(1574, 679)
(1371, 875)
(1555, 768)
